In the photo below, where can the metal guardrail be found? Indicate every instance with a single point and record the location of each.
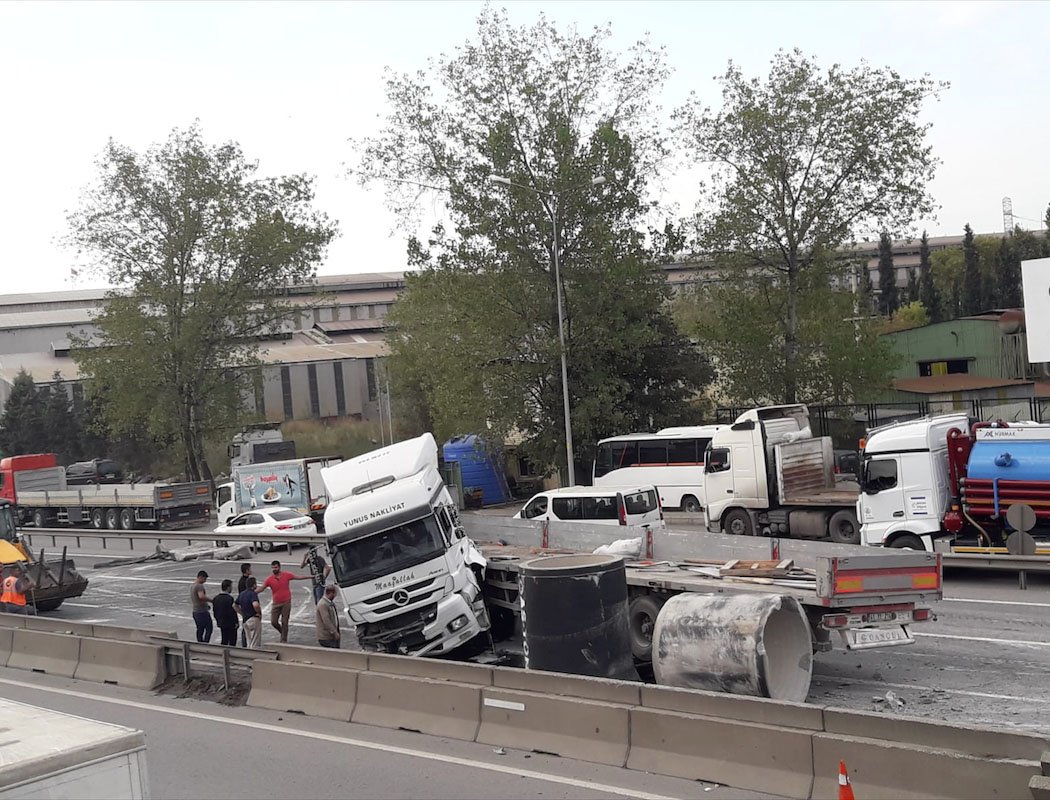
(28, 534)
(226, 657)
(997, 561)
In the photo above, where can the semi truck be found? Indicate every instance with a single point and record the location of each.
(295, 483)
(766, 474)
(258, 444)
(952, 477)
(409, 576)
(36, 485)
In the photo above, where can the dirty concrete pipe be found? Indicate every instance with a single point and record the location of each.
(742, 644)
(574, 615)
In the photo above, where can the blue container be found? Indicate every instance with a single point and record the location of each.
(480, 470)
(1010, 460)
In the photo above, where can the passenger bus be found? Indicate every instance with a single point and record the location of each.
(672, 460)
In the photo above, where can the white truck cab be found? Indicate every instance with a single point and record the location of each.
(904, 487)
(410, 577)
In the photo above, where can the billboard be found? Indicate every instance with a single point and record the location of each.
(262, 485)
(1035, 282)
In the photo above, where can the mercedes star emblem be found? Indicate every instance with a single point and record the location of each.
(401, 597)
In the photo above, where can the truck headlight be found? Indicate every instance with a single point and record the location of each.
(458, 623)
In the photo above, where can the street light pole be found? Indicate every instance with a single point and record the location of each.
(553, 213)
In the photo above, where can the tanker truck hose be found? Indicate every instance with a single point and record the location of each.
(984, 534)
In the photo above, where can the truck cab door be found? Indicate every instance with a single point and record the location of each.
(882, 497)
(225, 506)
(719, 485)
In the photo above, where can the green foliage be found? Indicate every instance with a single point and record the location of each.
(971, 278)
(805, 160)
(911, 292)
(928, 295)
(888, 301)
(475, 335)
(948, 268)
(22, 425)
(741, 322)
(912, 315)
(196, 244)
(865, 301)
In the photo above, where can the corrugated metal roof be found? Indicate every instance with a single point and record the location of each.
(44, 319)
(305, 353)
(936, 384)
(347, 325)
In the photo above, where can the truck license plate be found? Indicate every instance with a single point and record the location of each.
(865, 638)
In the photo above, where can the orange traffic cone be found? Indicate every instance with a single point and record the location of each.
(845, 789)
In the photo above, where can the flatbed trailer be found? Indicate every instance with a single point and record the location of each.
(123, 506)
(870, 598)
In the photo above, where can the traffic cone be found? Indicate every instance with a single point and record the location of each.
(845, 789)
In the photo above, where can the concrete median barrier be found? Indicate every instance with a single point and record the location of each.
(59, 626)
(1039, 786)
(322, 656)
(12, 620)
(121, 634)
(571, 728)
(307, 688)
(879, 768)
(965, 739)
(440, 708)
(123, 663)
(734, 707)
(431, 668)
(41, 651)
(578, 686)
(6, 636)
(762, 758)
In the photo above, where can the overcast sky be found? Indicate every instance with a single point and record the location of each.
(292, 81)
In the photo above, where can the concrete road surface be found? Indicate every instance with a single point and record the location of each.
(200, 749)
(983, 661)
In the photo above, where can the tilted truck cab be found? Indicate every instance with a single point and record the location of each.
(410, 577)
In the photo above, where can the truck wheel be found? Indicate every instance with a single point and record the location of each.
(641, 620)
(844, 528)
(127, 519)
(502, 621)
(39, 518)
(908, 541)
(738, 523)
(98, 521)
(690, 505)
(112, 518)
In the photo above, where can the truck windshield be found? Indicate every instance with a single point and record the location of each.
(387, 552)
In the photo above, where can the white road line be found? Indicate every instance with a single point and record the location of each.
(918, 688)
(82, 605)
(995, 602)
(1017, 642)
(326, 737)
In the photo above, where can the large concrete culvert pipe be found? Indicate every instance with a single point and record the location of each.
(742, 644)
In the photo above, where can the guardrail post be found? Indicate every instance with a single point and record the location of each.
(226, 677)
(1022, 580)
(186, 662)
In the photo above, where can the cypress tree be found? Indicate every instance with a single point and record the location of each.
(971, 288)
(888, 302)
(928, 294)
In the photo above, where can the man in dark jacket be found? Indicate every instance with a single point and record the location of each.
(225, 615)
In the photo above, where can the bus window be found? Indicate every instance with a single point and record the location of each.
(652, 452)
(683, 452)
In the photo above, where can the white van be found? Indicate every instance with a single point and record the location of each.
(607, 505)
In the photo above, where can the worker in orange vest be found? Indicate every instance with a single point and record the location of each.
(13, 591)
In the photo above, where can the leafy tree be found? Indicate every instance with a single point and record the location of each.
(63, 430)
(912, 315)
(948, 267)
(806, 160)
(928, 294)
(476, 329)
(196, 242)
(888, 301)
(22, 428)
(740, 320)
(971, 281)
(865, 304)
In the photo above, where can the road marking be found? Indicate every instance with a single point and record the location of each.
(1018, 642)
(920, 688)
(995, 602)
(82, 605)
(327, 737)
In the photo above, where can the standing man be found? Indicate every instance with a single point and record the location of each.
(251, 613)
(225, 615)
(246, 572)
(319, 570)
(199, 602)
(328, 619)
(281, 610)
(13, 591)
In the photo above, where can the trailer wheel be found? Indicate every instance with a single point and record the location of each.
(641, 620)
(738, 523)
(690, 505)
(844, 528)
(112, 518)
(908, 541)
(127, 519)
(39, 518)
(98, 521)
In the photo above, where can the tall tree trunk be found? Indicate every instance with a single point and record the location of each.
(791, 335)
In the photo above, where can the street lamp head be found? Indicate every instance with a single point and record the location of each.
(597, 181)
(499, 179)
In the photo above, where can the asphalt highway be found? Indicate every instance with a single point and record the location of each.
(983, 661)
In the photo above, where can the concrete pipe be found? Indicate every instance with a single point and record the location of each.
(742, 644)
